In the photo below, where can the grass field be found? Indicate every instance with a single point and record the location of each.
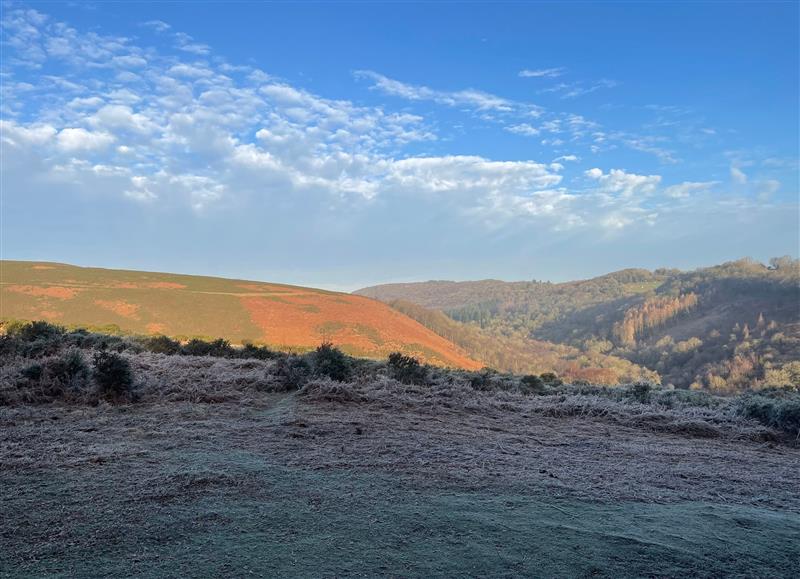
(281, 316)
(384, 479)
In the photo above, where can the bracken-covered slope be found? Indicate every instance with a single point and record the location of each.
(186, 306)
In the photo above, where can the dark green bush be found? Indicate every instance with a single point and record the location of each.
(34, 331)
(196, 347)
(482, 380)
(162, 345)
(57, 377)
(290, 372)
(787, 416)
(113, 375)
(219, 348)
(640, 392)
(532, 384)
(257, 352)
(406, 369)
(780, 413)
(69, 368)
(331, 362)
(33, 372)
(551, 379)
(33, 339)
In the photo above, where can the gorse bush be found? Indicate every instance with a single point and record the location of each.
(532, 384)
(639, 391)
(113, 375)
(290, 372)
(33, 331)
(257, 352)
(63, 376)
(782, 413)
(406, 369)
(331, 362)
(162, 345)
(551, 379)
(482, 380)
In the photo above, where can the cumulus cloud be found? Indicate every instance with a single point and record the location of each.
(78, 139)
(523, 129)
(619, 182)
(186, 131)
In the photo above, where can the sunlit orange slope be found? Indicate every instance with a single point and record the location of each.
(184, 306)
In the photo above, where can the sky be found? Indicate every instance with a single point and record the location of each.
(344, 144)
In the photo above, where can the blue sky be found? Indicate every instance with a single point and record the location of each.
(344, 144)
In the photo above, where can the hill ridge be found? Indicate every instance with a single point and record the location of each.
(279, 315)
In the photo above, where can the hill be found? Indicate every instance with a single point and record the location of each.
(727, 327)
(184, 306)
(525, 355)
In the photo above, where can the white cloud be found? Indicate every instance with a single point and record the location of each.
(157, 25)
(20, 136)
(186, 43)
(121, 117)
(575, 89)
(523, 129)
(542, 72)
(738, 175)
(688, 188)
(78, 139)
(198, 133)
(129, 61)
(470, 173)
(189, 71)
(617, 181)
(469, 97)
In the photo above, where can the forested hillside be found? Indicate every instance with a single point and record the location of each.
(726, 328)
(524, 355)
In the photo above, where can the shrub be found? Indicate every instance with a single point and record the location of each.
(330, 361)
(35, 331)
(787, 416)
(640, 392)
(33, 372)
(113, 375)
(257, 352)
(406, 369)
(290, 372)
(69, 369)
(196, 347)
(55, 377)
(780, 413)
(219, 348)
(551, 379)
(482, 380)
(33, 339)
(162, 345)
(532, 384)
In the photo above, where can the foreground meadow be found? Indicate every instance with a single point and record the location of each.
(221, 465)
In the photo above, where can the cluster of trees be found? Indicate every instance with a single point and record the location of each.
(653, 313)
